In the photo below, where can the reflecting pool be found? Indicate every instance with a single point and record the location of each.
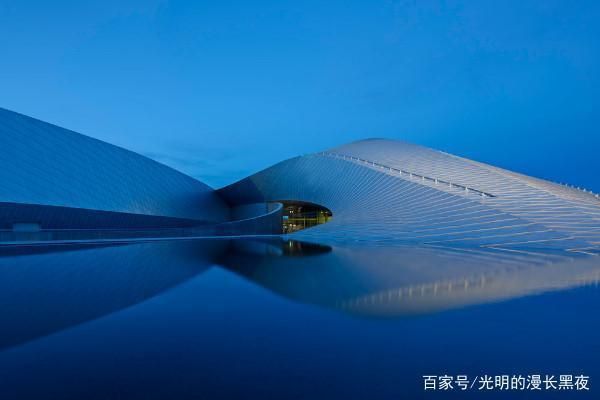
(276, 318)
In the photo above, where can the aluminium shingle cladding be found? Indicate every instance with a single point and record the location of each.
(378, 190)
(47, 165)
(387, 191)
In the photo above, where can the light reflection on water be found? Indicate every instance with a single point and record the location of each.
(49, 292)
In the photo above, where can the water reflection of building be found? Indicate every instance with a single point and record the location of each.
(45, 289)
(397, 280)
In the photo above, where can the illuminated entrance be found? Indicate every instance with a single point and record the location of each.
(299, 215)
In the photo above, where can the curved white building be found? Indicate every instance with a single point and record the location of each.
(383, 190)
(60, 179)
(53, 179)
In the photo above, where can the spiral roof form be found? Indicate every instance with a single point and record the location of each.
(378, 191)
(383, 190)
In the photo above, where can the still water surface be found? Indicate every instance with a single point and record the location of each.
(272, 318)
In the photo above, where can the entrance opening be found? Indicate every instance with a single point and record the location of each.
(298, 215)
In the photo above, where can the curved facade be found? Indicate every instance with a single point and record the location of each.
(59, 179)
(387, 191)
(378, 191)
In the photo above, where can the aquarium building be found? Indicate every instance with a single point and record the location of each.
(56, 184)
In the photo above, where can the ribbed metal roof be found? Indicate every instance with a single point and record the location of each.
(384, 190)
(44, 164)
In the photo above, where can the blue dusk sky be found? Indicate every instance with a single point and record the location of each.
(223, 89)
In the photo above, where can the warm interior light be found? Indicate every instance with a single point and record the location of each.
(299, 215)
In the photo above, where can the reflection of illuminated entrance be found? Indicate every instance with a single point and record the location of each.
(299, 215)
